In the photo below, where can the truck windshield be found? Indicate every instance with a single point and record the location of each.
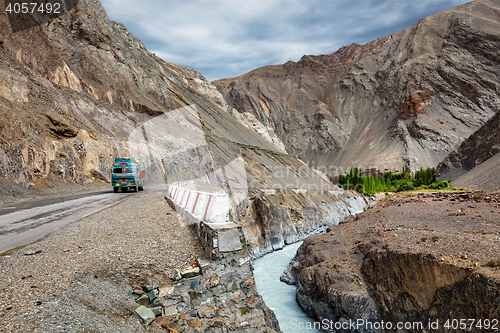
(117, 170)
(129, 170)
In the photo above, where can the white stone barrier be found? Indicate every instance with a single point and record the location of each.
(205, 207)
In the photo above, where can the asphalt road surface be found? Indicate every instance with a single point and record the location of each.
(25, 222)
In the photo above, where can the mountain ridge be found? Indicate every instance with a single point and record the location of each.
(84, 86)
(333, 121)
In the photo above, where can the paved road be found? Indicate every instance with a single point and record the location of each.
(25, 222)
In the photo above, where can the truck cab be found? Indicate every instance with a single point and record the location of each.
(128, 173)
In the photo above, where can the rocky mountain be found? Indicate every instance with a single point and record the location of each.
(74, 88)
(411, 97)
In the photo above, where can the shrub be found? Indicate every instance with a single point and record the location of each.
(405, 187)
(425, 177)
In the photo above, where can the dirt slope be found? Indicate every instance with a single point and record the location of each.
(476, 149)
(484, 177)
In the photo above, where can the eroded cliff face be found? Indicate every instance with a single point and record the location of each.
(275, 218)
(343, 109)
(395, 264)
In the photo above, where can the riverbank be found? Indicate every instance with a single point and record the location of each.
(76, 278)
(432, 256)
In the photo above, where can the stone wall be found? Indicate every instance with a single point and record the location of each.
(216, 294)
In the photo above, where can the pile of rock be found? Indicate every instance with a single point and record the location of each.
(218, 295)
(473, 197)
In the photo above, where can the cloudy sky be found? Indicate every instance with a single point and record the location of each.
(227, 38)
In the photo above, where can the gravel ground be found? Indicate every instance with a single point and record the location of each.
(462, 229)
(74, 279)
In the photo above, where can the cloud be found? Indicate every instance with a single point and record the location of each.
(227, 38)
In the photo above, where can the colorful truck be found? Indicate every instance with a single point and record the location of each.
(128, 173)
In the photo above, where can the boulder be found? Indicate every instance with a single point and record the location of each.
(147, 315)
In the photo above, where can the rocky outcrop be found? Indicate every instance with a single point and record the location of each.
(250, 121)
(343, 109)
(275, 218)
(393, 264)
(414, 103)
